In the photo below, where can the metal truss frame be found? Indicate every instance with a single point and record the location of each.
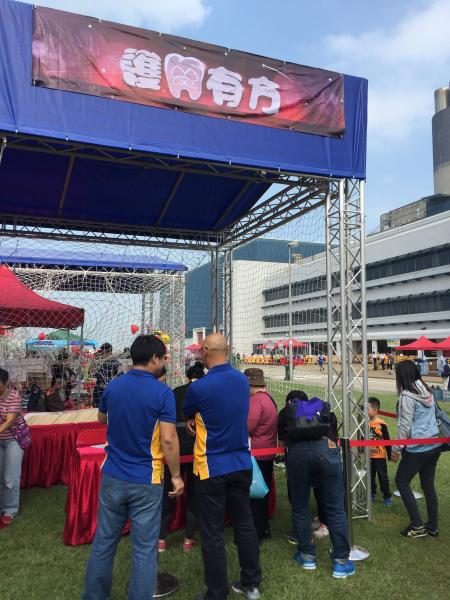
(227, 278)
(295, 194)
(347, 334)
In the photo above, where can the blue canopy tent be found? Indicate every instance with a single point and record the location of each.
(81, 167)
(87, 269)
(84, 163)
(34, 343)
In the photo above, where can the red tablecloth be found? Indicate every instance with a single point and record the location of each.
(48, 460)
(82, 498)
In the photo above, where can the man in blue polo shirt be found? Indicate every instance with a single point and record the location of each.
(140, 413)
(216, 407)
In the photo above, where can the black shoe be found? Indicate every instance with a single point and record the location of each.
(414, 532)
(267, 533)
(252, 593)
(291, 538)
(431, 531)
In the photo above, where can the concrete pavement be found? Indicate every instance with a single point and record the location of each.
(379, 381)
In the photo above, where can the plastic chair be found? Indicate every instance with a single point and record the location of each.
(91, 437)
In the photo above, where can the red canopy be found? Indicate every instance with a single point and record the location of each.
(193, 347)
(21, 307)
(444, 345)
(423, 343)
(295, 344)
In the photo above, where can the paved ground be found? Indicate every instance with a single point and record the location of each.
(379, 381)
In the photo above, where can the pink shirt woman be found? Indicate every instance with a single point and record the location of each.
(262, 429)
(11, 453)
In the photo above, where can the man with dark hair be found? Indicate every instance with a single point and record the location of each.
(140, 414)
(216, 408)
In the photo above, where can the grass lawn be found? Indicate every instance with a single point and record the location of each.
(35, 564)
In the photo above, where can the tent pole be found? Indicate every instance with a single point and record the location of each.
(80, 366)
(2, 148)
(143, 313)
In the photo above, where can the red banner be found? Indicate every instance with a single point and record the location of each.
(81, 54)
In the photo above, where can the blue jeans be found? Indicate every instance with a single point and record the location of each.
(11, 455)
(315, 464)
(118, 501)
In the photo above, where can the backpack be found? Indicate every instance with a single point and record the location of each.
(308, 419)
(443, 423)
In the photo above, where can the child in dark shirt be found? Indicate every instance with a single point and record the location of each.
(379, 454)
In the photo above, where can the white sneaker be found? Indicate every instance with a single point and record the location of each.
(321, 532)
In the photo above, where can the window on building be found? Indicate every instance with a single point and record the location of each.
(426, 259)
(410, 305)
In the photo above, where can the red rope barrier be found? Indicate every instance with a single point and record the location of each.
(387, 414)
(353, 444)
(187, 458)
(408, 442)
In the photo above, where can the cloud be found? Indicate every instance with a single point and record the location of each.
(404, 64)
(163, 15)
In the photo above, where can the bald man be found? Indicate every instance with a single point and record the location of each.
(216, 408)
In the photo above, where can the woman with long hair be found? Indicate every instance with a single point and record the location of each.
(11, 453)
(416, 419)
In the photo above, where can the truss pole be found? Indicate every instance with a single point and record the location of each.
(2, 148)
(364, 358)
(227, 271)
(343, 310)
(346, 333)
(215, 278)
(330, 340)
(180, 292)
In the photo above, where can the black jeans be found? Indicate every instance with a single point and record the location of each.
(423, 463)
(168, 503)
(378, 466)
(213, 496)
(315, 464)
(320, 511)
(260, 508)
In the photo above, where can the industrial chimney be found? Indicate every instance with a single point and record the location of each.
(441, 141)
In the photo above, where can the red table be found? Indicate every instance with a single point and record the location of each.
(82, 498)
(48, 460)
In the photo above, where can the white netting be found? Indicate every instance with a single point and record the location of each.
(261, 323)
(119, 299)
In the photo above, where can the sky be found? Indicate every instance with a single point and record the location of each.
(402, 47)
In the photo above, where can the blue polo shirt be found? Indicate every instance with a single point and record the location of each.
(135, 404)
(220, 402)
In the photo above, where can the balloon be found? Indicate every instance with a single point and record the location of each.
(134, 329)
(41, 336)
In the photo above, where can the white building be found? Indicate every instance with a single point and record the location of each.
(408, 290)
